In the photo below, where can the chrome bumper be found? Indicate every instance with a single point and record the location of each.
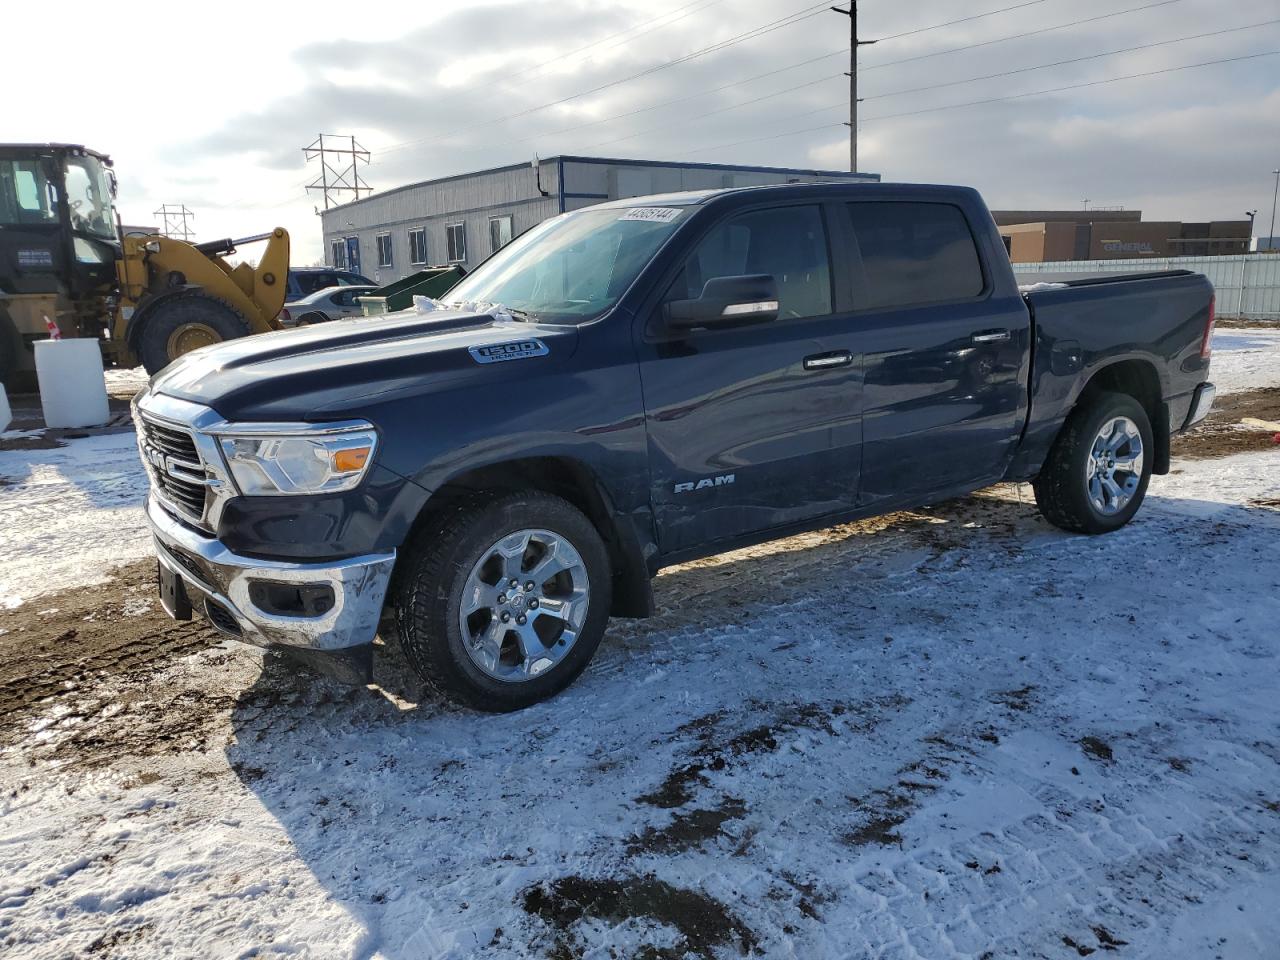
(1200, 404)
(210, 573)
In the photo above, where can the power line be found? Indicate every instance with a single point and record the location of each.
(1077, 86)
(836, 53)
(1020, 36)
(789, 20)
(786, 21)
(974, 103)
(699, 4)
(1060, 63)
(758, 76)
(935, 86)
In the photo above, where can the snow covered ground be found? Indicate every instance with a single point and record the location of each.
(954, 732)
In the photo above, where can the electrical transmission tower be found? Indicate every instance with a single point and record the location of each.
(174, 217)
(339, 170)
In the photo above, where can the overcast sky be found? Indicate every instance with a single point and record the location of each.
(211, 105)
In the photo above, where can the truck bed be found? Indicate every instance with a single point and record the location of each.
(1080, 323)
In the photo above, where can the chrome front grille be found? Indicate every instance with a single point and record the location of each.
(177, 470)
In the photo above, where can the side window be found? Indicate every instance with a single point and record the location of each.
(418, 246)
(913, 254)
(384, 249)
(790, 243)
(456, 241)
(499, 232)
(339, 249)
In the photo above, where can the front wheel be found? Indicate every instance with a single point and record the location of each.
(1096, 475)
(505, 605)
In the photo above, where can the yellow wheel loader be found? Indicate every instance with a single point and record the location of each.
(147, 298)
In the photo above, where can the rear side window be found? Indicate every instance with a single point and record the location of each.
(788, 242)
(912, 254)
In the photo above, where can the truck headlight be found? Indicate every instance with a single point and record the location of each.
(319, 461)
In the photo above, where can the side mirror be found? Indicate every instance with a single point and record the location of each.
(727, 301)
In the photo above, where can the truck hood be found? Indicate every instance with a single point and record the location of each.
(317, 372)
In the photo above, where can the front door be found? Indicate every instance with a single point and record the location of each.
(755, 426)
(945, 360)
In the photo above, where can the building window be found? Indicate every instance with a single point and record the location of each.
(418, 246)
(384, 249)
(456, 237)
(499, 233)
(339, 248)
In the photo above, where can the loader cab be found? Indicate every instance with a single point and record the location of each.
(58, 229)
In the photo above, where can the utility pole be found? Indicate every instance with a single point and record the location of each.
(174, 221)
(1271, 241)
(342, 177)
(854, 44)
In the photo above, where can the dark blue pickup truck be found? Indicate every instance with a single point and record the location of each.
(638, 384)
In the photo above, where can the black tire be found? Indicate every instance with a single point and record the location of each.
(168, 317)
(315, 316)
(428, 597)
(16, 374)
(1062, 488)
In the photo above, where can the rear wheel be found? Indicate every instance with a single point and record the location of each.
(185, 322)
(1096, 476)
(506, 604)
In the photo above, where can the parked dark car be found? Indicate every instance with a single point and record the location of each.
(666, 378)
(304, 281)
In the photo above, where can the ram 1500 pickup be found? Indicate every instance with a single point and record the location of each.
(634, 385)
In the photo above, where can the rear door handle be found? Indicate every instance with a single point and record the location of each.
(992, 336)
(825, 361)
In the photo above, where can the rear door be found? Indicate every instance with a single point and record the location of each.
(744, 434)
(945, 359)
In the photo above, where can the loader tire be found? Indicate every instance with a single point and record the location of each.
(184, 322)
(17, 371)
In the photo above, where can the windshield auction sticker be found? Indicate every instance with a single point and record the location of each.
(652, 214)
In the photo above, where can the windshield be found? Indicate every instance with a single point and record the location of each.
(26, 195)
(89, 197)
(574, 267)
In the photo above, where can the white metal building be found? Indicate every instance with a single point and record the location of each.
(463, 219)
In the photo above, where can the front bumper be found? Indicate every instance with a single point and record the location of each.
(228, 589)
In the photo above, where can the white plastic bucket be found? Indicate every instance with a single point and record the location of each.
(73, 389)
(6, 415)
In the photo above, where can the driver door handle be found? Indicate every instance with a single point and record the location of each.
(992, 336)
(826, 361)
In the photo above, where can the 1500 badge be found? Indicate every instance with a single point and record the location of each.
(516, 350)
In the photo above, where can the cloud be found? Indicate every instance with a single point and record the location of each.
(467, 92)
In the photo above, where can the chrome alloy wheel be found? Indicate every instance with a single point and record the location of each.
(524, 604)
(1114, 470)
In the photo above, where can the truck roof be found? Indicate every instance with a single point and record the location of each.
(75, 149)
(694, 197)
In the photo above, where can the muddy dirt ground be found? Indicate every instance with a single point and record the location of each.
(56, 651)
